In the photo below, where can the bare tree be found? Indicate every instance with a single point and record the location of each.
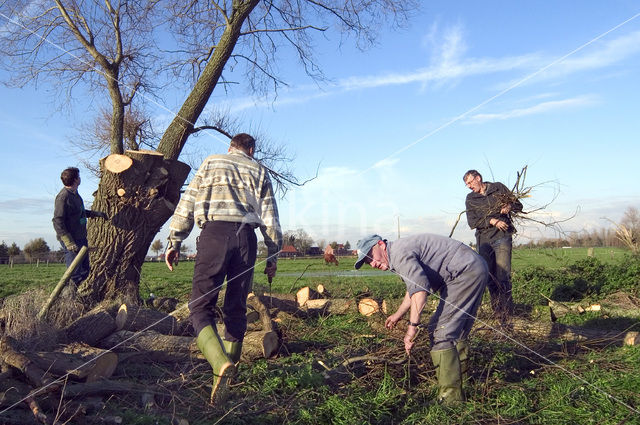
(157, 246)
(102, 46)
(628, 230)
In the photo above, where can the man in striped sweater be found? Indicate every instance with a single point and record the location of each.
(228, 198)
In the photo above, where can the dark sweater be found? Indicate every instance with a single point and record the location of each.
(69, 215)
(482, 208)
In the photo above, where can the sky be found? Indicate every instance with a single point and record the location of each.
(494, 86)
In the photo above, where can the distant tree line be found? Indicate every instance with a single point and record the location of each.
(625, 234)
(35, 250)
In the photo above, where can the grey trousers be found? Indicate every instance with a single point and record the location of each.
(497, 254)
(460, 298)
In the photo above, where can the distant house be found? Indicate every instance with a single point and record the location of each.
(341, 250)
(288, 251)
(314, 250)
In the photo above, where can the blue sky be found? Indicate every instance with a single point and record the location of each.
(491, 85)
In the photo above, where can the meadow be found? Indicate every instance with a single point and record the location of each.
(517, 377)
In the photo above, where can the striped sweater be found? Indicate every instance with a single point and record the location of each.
(232, 187)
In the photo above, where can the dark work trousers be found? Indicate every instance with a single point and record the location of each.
(497, 254)
(224, 250)
(82, 270)
(460, 298)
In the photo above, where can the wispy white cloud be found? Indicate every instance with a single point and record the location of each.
(540, 108)
(386, 163)
(26, 205)
(448, 64)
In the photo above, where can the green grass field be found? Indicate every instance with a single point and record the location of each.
(515, 377)
(292, 274)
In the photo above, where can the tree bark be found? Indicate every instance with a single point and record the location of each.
(149, 191)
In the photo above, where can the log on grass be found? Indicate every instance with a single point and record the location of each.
(325, 307)
(304, 294)
(281, 302)
(134, 318)
(125, 341)
(323, 291)
(91, 327)
(565, 333)
(370, 306)
(259, 307)
(260, 344)
(168, 348)
(11, 356)
(93, 367)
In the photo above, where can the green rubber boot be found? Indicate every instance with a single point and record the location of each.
(463, 354)
(223, 369)
(233, 349)
(447, 365)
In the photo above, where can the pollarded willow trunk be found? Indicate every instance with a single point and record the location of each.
(139, 191)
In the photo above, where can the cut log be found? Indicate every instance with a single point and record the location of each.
(134, 318)
(323, 291)
(369, 306)
(281, 302)
(260, 344)
(90, 368)
(304, 294)
(559, 332)
(117, 163)
(331, 307)
(11, 356)
(632, 338)
(91, 327)
(124, 341)
(165, 304)
(265, 316)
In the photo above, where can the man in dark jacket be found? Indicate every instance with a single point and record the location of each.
(70, 222)
(428, 264)
(489, 207)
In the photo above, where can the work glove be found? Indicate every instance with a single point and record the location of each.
(100, 214)
(69, 243)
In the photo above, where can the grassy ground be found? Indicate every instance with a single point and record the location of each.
(516, 377)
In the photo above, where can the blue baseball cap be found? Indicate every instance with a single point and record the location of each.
(364, 246)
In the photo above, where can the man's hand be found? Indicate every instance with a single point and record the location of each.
(412, 331)
(270, 270)
(391, 321)
(171, 258)
(499, 224)
(73, 248)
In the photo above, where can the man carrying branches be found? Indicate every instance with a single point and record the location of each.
(489, 208)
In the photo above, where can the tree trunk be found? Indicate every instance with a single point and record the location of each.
(181, 127)
(138, 200)
(139, 192)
